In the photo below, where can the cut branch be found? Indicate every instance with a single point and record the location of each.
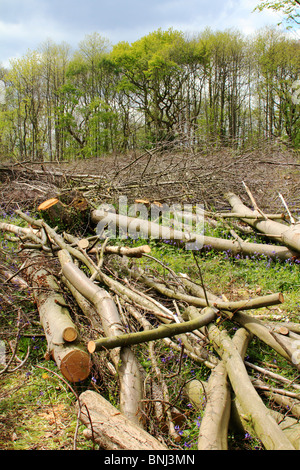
(165, 331)
(289, 235)
(148, 230)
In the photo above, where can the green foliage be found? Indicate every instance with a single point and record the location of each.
(216, 86)
(290, 9)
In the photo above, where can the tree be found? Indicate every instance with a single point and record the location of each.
(277, 59)
(289, 8)
(87, 114)
(25, 100)
(153, 71)
(54, 59)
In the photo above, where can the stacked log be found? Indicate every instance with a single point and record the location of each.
(230, 392)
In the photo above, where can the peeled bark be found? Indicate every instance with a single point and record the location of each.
(111, 429)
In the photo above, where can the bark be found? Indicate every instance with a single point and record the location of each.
(214, 301)
(257, 328)
(71, 215)
(288, 234)
(134, 252)
(172, 329)
(215, 422)
(253, 325)
(287, 424)
(111, 429)
(61, 334)
(263, 423)
(131, 252)
(86, 307)
(146, 229)
(22, 232)
(234, 306)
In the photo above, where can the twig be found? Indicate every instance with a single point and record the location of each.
(253, 200)
(201, 278)
(287, 209)
(100, 262)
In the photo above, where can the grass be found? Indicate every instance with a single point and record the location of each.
(37, 409)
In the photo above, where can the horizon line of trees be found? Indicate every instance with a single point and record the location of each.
(167, 87)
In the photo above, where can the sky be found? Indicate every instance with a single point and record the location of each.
(26, 24)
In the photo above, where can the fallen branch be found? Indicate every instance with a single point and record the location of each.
(264, 424)
(148, 230)
(172, 329)
(289, 235)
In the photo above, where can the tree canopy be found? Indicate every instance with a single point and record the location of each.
(167, 88)
(290, 9)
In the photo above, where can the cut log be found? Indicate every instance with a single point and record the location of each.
(22, 232)
(110, 428)
(134, 252)
(215, 422)
(264, 333)
(64, 346)
(166, 331)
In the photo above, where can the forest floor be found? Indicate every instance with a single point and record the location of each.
(36, 404)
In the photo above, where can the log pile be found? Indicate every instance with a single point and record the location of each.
(109, 292)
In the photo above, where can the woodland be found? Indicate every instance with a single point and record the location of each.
(221, 87)
(150, 244)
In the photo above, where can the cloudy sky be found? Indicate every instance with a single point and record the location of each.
(25, 24)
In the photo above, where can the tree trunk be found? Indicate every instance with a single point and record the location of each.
(288, 234)
(110, 428)
(129, 226)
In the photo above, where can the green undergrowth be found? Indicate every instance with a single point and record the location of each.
(37, 407)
